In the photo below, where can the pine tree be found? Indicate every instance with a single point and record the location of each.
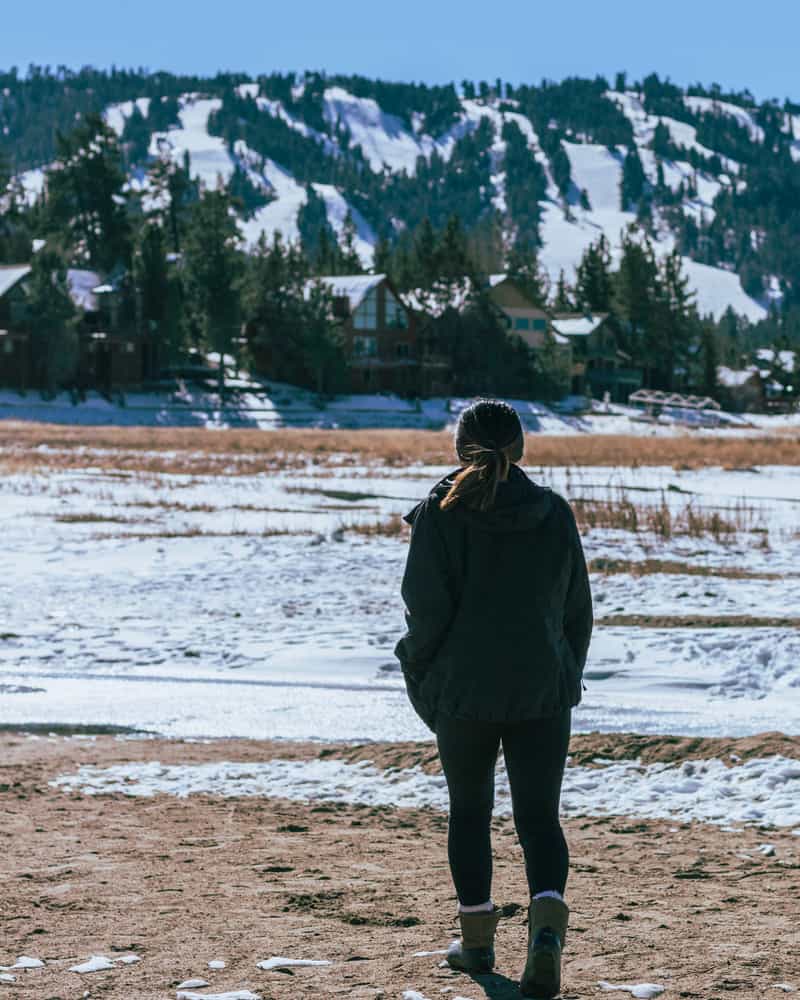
(710, 357)
(322, 340)
(53, 322)
(159, 297)
(135, 140)
(523, 268)
(662, 141)
(382, 258)
(593, 282)
(635, 289)
(212, 268)
(633, 182)
(563, 302)
(425, 259)
(451, 256)
(350, 262)
(272, 304)
(86, 202)
(174, 192)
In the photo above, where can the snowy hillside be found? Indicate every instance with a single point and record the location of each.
(430, 151)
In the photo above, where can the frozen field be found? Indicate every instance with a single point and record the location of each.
(257, 606)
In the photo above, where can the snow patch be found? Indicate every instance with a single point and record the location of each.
(95, 963)
(708, 105)
(209, 159)
(337, 210)
(233, 995)
(643, 991)
(279, 962)
(24, 962)
(763, 791)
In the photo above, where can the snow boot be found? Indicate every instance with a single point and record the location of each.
(474, 952)
(547, 933)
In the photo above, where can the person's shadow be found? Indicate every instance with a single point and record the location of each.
(497, 987)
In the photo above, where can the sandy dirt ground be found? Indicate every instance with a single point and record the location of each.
(183, 881)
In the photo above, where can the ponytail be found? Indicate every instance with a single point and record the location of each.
(476, 484)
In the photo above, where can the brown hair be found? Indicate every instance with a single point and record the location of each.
(489, 440)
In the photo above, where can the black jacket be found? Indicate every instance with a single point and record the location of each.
(498, 606)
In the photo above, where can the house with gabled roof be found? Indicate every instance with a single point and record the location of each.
(107, 359)
(380, 334)
(599, 365)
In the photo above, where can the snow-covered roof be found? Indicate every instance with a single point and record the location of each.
(786, 360)
(496, 279)
(353, 287)
(82, 288)
(11, 274)
(572, 325)
(733, 378)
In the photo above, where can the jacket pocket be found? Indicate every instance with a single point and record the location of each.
(420, 702)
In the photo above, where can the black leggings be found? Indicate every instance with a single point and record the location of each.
(535, 753)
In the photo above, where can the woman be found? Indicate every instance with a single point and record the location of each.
(499, 616)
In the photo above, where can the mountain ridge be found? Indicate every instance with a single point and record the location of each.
(553, 167)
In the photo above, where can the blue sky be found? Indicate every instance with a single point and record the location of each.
(736, 43)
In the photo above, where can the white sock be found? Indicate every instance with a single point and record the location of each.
(549, 893)
(480, 908)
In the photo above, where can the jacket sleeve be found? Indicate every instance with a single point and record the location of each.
(427, 591)
(578, 614)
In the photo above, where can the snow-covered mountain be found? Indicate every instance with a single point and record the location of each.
(384, 168)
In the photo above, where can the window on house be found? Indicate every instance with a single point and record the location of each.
(395, 313)
(403, 351)
(540, 324)
(366, 316)
(522, 323)
(365, 347)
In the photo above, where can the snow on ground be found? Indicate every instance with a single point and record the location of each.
(717, 289)
(117, 114)
(384, 139)
(279, 215)
(761, 790)
(644, 124)
(270, 405)
(24, 962)
(277, 110)
(598, 171)
(228, 995)
(337, 210)
(642, 991)
(208, 154)
(150, 602)
(95, 963)
(708, 105)
(278, 962)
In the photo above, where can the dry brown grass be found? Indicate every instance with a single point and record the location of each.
(661, 520)
(25, 446)
(646, 567)
(392, 527)
(697, 621)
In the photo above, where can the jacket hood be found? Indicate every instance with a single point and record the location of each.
(520, 504)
